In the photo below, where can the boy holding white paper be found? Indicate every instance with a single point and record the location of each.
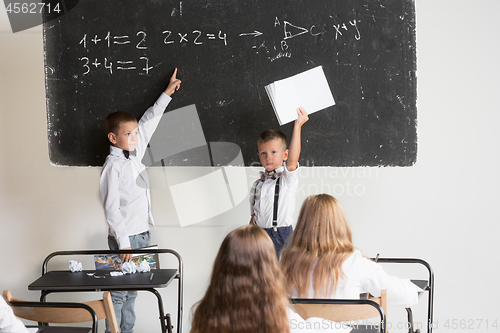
(309, 89)
(272, 197)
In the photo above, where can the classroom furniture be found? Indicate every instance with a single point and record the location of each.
(100, 280)
(345, 310)
(425, 285)
(323, 304)
(65, 312)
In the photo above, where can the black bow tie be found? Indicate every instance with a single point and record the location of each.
(126, 153)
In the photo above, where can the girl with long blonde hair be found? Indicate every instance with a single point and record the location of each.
(322, 262)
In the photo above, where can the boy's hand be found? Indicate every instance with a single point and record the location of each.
(173, 85)
(302, 116)
(126, 256)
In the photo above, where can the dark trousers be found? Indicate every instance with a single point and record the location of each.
(280, 237)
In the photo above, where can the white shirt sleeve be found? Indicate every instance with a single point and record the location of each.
(8, 321)
(400, 292)
(290, 178)
(314, 324)
(148, 123)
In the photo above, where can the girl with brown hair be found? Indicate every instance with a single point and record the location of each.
(322, 262)
(246, 291)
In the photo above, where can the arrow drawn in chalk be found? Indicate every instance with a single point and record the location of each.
(255, 33)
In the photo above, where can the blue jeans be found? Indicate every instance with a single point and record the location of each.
(279, 237)
(123, 301)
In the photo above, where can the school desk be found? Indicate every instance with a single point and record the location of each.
(92, 280)
(425, 285)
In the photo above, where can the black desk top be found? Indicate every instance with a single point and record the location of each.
(422, 284)
(81, 281)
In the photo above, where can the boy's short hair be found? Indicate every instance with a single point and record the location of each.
(114, 120)
(272, 135)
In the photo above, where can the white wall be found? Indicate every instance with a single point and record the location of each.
(443, 209)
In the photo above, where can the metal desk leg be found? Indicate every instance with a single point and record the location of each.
(180, 301)
(164, 327)
(43, 297)
(410, 322)
(169, 322)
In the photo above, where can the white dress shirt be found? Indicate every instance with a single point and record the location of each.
(8, 321)
(124, 184)
(262, 204)
(314, 324)
(363, 275)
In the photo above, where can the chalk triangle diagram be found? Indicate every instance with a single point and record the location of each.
(293, 30)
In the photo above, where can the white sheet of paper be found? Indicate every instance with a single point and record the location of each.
(308, 89)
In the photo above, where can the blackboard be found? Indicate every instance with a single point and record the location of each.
(103, 56)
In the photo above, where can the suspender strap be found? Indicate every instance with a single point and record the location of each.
(275, 207)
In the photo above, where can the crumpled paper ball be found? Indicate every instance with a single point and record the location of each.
(75, 266)
(143, 267)
(129, 267)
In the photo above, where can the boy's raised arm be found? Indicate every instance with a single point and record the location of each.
(173, 85)
(294, 150)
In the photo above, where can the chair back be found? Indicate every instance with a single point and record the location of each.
(343, 310)
(64, 312)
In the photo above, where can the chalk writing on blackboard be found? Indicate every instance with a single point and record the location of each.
(197, 37)
(113, 55)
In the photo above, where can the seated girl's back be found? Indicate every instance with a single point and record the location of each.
(321, 261)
